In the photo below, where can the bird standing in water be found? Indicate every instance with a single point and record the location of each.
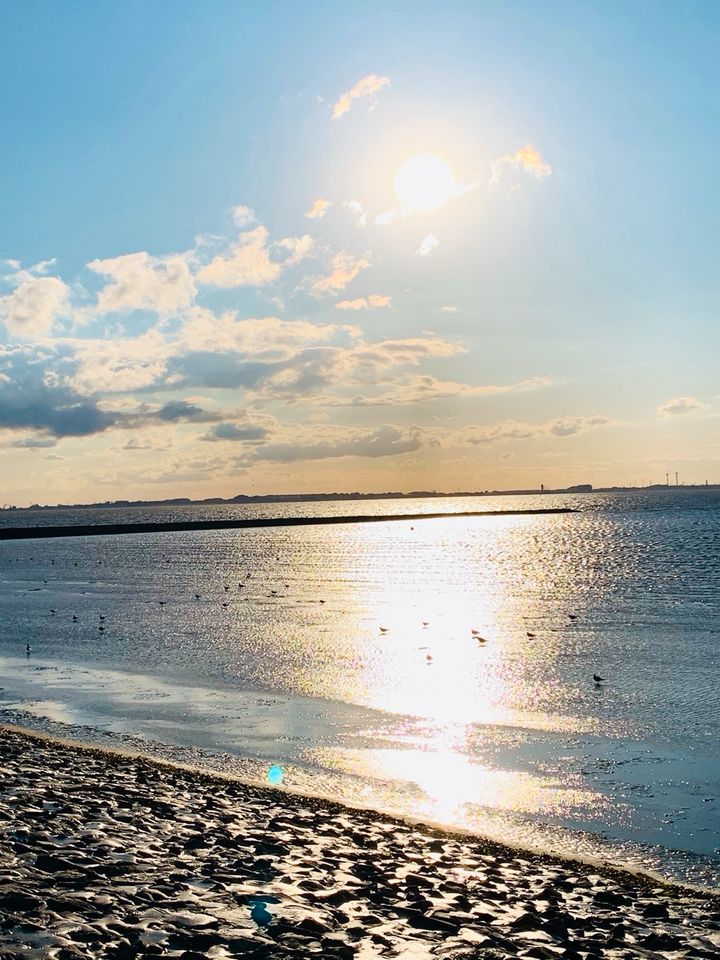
(598, 679)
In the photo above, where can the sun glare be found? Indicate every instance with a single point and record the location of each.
(424, 182)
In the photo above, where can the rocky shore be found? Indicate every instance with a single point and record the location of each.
(112, 856)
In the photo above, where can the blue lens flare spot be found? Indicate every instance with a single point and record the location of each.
(275, 775)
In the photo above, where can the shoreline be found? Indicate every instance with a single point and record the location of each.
(175, 526)
(108, 853)
(209, 775)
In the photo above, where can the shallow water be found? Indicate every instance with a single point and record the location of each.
(347, 655)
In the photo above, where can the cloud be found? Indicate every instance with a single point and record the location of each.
(162, 285)
(387, 217)
(30, 310)
(383, 441)
(424, 387)
(357, 208)
(243, 216)
(313, 371)
(369, 86)
(117, 365)
(235, 432)
(449, 308)
(345, 267)
(372, 302)
(248, 262)
(514, 430)
(298, 247)
(319, 208)
(526, 158)
(181, 411)
(32, 443)
(680, 406)
(428, 246)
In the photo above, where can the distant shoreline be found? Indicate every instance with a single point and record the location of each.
(583, 488)
(173, 526)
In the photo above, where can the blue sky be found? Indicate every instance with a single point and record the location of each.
(173, 323)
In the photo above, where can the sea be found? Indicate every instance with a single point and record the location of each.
(436, 669)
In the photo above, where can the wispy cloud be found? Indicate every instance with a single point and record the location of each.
(243, 216)
(424, 387)
(357, 208)
(526, 158)
(345, 267)
(369, 86)
(514, 430)
(428, 246)
(372, 302)
(680, 406)
(319, 208)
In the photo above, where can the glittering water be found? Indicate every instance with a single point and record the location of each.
(440, 668)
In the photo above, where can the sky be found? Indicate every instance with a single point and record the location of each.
(280, 247)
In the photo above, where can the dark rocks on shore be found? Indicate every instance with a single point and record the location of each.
(105, 856)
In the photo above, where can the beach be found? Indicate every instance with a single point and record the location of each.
(112, 855)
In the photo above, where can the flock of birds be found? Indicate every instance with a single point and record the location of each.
(474, 632)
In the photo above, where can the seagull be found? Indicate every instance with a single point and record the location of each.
(52, 610)
(197, 596)
(101, 629)
(425, 623)
(74, 617)
(572, 616)
(428, 658)
(598, 679)
(102, 616)
(27, 649)
(226, 604)
(227, 587)
(531, 635)
(384, 629)
(161, 602)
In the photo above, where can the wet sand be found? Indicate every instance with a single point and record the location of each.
(114, 856)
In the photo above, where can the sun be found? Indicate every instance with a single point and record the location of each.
(424, 182)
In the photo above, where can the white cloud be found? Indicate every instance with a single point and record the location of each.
(319, 208)
(162, 285)
(390, 216)
(428, 246)
(680, 406)
(449, 308)
(373, 302)
(526, 158)
(34, 305)
(248, 262)
(369, 86)
(357, 208)
(299, 248)
(243, 216)
(345, 267)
